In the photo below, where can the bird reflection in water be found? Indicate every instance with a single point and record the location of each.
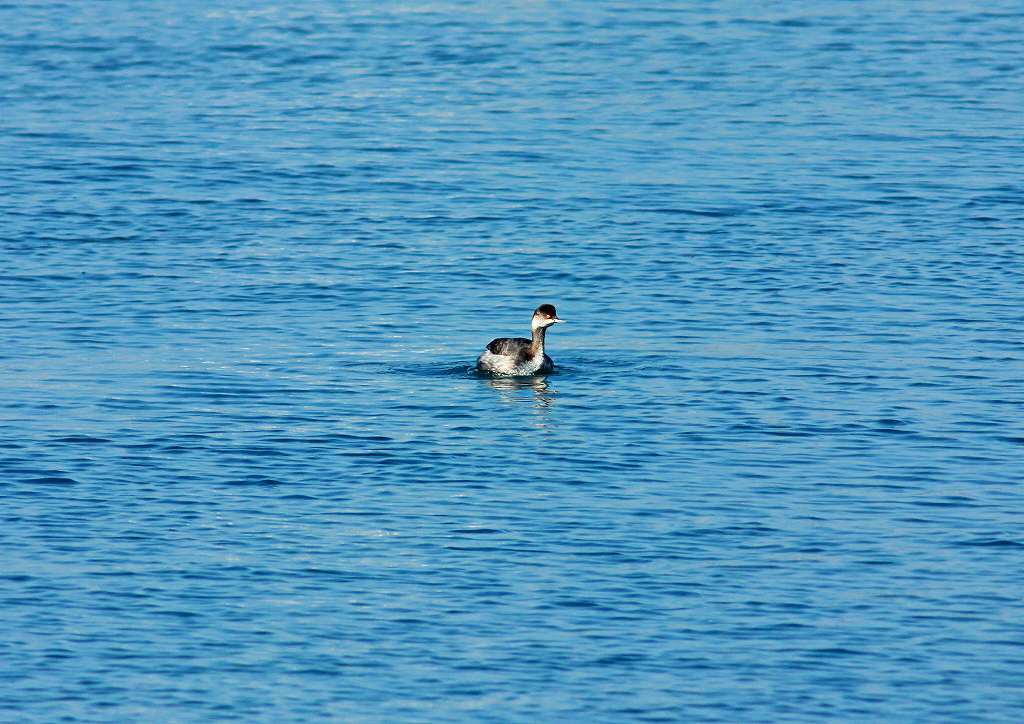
(509, 387)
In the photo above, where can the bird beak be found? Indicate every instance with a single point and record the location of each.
(556, 319)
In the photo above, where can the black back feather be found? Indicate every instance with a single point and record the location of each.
(509, 346)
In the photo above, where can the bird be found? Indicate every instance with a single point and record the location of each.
(518, 355)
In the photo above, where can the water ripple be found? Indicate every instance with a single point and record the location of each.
(253, 252)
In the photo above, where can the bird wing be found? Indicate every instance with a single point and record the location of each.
(508, 346)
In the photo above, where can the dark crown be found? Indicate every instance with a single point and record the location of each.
(547, 310)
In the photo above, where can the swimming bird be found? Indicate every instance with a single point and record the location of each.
(520, 356)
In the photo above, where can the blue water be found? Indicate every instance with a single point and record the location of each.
(251, 252)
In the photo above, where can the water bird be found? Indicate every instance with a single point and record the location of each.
(518, 355)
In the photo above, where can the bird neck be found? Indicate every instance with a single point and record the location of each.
(537, 347)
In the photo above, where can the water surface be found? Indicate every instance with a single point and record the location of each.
(250, 253)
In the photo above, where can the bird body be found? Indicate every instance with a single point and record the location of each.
(518, 355)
